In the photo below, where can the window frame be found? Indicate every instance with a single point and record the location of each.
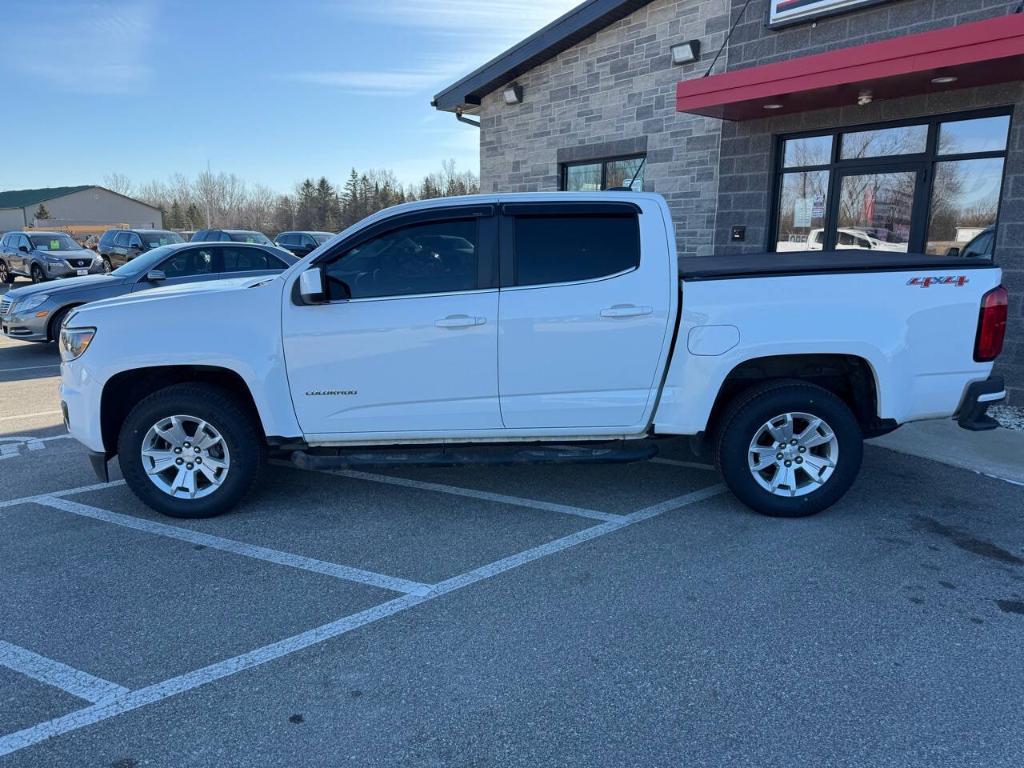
(510, 211)
(925, 163)
(604, 162)
(487, 246)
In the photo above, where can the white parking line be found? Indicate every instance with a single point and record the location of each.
(29, 368)
(68, 679)
(30, 415)
(60, 494)
(500, 498)
(10, 447)
(344, 572)
(219, 670)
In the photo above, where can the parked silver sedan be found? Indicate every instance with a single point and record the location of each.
(35, 312)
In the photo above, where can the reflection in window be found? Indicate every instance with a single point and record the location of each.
(802, 153)
(802, 207)
(418, 259)
(605, 174)
(583, 178)
(986, 134)
(875, 211)
(884, 142)
(965, 202)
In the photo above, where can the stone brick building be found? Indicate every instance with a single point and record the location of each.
(822, 124)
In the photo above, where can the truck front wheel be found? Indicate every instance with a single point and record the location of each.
(789, 449)
(190, 451)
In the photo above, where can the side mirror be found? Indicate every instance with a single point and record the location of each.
(311, 286)
(156, 275)
(953, 252)
(23, 248)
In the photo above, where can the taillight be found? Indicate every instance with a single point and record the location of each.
(991, 325)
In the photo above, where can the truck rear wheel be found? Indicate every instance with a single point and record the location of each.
(190, 451)
(789, 449)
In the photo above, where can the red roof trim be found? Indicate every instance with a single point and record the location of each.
(979, 53)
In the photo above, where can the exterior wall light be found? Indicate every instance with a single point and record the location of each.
(513, 94)
(944, 80)
(773, 106)
(686, 53)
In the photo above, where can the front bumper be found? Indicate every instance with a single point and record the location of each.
(973, 413)
(27, 326)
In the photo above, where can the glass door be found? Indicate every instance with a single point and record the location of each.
(878, 210)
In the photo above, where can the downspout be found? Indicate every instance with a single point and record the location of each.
(463, 119)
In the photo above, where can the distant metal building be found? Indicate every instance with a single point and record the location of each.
(70, 206)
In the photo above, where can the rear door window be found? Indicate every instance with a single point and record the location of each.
(189, 263)
(568, 248)
(249, 259)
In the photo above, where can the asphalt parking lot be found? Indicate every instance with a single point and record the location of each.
(624, 615)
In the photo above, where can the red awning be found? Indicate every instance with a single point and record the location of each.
(980, 53)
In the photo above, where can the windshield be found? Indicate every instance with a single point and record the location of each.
(156, 239)
(54, 243)
(142, 264)
(250, 237)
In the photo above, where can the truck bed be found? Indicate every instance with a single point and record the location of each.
(819, 263)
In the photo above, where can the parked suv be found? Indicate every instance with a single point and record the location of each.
(231, 235)
(35, 312)
(44, 256)
(302, 243)
(119, 246)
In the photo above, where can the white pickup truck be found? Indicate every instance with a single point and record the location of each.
(537, 327)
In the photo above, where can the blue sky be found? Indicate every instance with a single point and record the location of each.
(272, 91)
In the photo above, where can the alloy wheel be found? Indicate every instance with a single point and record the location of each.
(793, 454)
(185, 457)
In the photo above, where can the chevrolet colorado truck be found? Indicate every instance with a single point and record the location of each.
(527, 328)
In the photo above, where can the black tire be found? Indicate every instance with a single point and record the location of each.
(107, 268)
(5, 273)
(236, 424)
(752, 410)
(58, 317)
(37, 273)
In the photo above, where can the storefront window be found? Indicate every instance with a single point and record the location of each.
(885, 142)
(802, 211)
(605, 174)
(965, 203)
(932, 186)
(987, 134)
(875, 211)
(804, 153)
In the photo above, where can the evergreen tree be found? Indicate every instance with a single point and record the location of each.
(284, 214)
(41, 213)
(176, 218)
(194, 218)
(305, 209)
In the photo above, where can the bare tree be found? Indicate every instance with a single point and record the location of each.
(118, 182)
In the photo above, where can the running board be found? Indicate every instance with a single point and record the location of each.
(455, 456)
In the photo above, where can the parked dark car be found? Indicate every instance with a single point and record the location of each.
(230, 235)
(981, 247)
(119, 246)
(35, 312)
(302, 243)
(43, 256)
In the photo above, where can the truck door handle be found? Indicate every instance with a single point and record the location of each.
(626, 310)
(459, 321)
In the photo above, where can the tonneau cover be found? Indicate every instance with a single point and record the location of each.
(819, 262)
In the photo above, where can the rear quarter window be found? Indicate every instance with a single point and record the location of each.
(571, 248)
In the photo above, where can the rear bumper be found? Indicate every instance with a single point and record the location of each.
(973, 413)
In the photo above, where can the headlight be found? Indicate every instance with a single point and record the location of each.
(74, 342)
(31, 302)
(51, 259)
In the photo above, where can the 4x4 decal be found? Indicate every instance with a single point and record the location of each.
(927, 282)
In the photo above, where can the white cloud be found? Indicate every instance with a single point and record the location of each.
(459, 35)
(90, 47)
